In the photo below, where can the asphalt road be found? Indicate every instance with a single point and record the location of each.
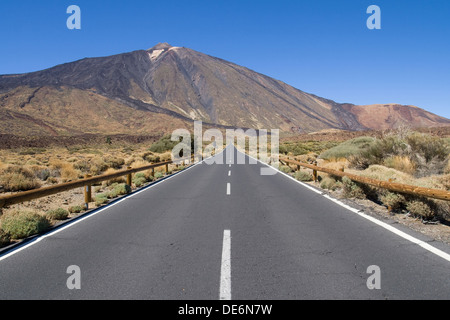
(220, 231)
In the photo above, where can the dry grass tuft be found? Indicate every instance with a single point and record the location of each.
(18, 178)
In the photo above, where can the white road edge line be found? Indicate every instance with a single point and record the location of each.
(89, 215)
(380, 223)
(225, 271)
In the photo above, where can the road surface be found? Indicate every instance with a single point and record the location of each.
(224, 231)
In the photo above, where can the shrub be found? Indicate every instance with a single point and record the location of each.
(304, 147)
(68, 173)
(16, 178)
(166, 157)
(97, 166)
(114, 180)
(149, 175)
(401, 163)
(122, 189)
(158, 175)
(57, 214)
(166, 144)
(348, 148)
(447, 167)
(330, 184)
(75, 209)
(119, 189)
(426, 154)
(43, 174)
(394, 201)
(100, 199)
(152, 158)
(420, 208)
(303, 176)
(114, 162)
(22, 224)
(352, 189)
(82, 165)
(285, 169)
(5, 238)
(139, 179)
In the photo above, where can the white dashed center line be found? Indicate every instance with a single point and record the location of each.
(225, 272)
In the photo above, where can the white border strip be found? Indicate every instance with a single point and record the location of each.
(380, 223)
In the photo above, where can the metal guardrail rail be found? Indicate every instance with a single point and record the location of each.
(392, 186)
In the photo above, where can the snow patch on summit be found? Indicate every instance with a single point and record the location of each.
(155, 54)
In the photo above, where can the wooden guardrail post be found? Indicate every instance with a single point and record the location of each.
(315, 175)
(129, 177)
(87, 193)
(167, 168)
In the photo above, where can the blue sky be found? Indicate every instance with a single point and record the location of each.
(318, 46)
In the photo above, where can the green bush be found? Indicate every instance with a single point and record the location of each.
(286, 169)
(118, 190)
(419, 208)
(100, 199)
(303, 176)
(158, 175)
(163, 145)
(122, 189)
(330, 184)
(348, 148)
(139, 179)
(76, 209)
(22, 224)
(304, 147)
(43, 174)
(57, 214)
(393, 200)
(352, 189)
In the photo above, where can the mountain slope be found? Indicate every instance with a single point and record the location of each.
(155, 90)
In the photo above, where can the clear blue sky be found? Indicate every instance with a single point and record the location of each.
(318, 46)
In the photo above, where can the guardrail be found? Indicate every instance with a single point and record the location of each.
(388, 185)
(83, 183)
